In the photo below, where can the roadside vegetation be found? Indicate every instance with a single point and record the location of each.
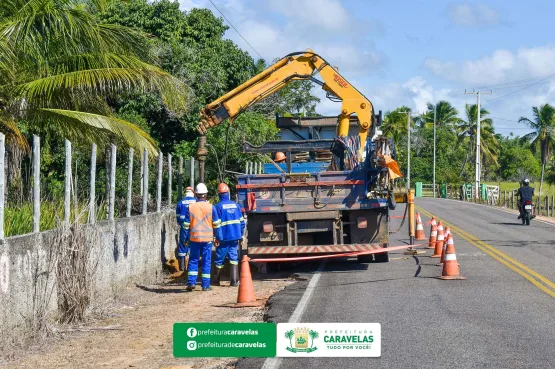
(136, 73)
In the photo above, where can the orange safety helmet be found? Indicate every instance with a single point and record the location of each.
(279, 157)
(222, 188)
(189, 189)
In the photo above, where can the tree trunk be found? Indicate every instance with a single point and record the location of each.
(541, 180)
(466, 159)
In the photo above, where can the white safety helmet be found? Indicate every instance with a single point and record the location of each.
(201, 189)
(526, 181)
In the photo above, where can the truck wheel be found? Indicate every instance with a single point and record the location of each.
(382, 257)
(365, 258)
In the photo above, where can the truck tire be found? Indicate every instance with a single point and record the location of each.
(382, 257)
(365, 258)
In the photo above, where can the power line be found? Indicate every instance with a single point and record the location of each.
(239, 33)
(520, 89)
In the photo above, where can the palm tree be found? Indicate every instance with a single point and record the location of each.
(543, 136)
(59, 66)
(313, 335)
(395, 124)
(289, 335)
(489, 145)
(446, 115)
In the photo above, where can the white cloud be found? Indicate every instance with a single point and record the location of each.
(499, 67)
(468, 15)
(324, 14)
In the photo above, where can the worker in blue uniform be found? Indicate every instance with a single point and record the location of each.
(182, 205)
(201, 225)
(232, 227)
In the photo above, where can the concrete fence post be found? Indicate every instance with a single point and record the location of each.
(180, 178)
(67, 188)
(36, 183)
(192, 173)
(128, 202)
(552, 205)
(169, 179)
(2, 182)
(247, 167)
(113, 150)
(159, 182)
(145, 181)
(92, 186)
(141, 180)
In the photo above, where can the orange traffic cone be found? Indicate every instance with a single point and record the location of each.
(246, 287)
(433, 234)
(450, 265)
(439, 241)
(444, 250)
(446, 234)
(420, 236)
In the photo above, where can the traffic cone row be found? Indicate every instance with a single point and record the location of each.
(441, 240)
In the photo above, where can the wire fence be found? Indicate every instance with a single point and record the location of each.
(87, 190)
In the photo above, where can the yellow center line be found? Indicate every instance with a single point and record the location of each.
(503, 258)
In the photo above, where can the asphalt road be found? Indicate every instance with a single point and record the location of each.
(501, 316)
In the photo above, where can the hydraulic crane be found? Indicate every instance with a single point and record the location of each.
(292, 67)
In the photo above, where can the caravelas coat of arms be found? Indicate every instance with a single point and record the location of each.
(298, 340)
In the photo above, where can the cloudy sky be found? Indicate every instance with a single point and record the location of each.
(412, 52)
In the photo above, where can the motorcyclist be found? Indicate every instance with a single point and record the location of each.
(525, 193)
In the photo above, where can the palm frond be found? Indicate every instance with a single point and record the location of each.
(106, 82)
(13, 134)
(86, 126)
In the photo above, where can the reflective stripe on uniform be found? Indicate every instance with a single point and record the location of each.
(217, 223)
(219, 266)
(236, 221)
(192, 273)
(233, 262)
(182, 217)
(205, 275)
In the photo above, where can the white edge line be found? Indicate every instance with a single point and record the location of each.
(274, 362)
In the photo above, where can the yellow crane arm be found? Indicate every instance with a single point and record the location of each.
(295, 66)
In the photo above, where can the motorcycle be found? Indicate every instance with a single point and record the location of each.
(528, 212)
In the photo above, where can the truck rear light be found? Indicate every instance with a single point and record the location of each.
(362, 222)
(268, 227)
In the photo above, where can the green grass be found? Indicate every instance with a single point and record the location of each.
(509, 186)
(19, 219)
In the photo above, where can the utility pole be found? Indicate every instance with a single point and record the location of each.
(435, 109)
(478, 128)
(408, 147)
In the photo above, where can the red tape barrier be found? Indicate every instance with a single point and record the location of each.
(375, 251)
(396, 216)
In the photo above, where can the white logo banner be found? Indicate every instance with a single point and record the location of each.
(329, 340)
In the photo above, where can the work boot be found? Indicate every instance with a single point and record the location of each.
(206, 289)
(181, 263)
(233, 275)
(189, 288)
(216, 274)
